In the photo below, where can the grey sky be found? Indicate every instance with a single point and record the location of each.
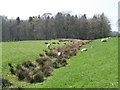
(26, 8)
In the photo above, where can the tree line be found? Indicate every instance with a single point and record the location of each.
(61, 25)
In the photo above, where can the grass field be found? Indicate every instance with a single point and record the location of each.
(96, 68)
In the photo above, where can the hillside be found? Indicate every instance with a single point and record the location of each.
(96, 68)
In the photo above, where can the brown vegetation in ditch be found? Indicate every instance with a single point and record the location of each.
(43, 67)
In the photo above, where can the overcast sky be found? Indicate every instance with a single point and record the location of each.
(26, 8)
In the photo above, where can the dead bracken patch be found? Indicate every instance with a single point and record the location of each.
(44, 66)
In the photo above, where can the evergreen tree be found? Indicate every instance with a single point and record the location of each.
(18, 20)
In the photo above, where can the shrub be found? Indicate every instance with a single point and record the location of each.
(41, 55)
(5, 82)
(46, 42)
(38, 77)
(47, 71)
(21, 75)
(52, 53)
(60, 63)
(53, 42)
(43, 59)
(58, 43)
(28, 64)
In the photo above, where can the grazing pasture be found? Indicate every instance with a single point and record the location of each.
(95, 68)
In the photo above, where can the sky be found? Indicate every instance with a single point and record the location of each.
(26, 8)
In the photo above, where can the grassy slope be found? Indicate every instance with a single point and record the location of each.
(96, 68)
(0, 59)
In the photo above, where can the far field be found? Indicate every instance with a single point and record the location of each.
(95, 68)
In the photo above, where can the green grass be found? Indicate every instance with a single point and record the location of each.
(0, 59)
(96, 68)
